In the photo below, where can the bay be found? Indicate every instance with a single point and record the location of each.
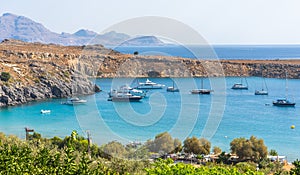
(219, 117)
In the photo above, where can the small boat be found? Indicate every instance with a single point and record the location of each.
(240, 86)
(74, 101)
(124, 97)
(150, 85)
(202, 90)
(172, 88)
(283, 102)
(45, 111)
(262, 91)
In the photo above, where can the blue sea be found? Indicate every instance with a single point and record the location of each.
(220, 117)
(257, 52)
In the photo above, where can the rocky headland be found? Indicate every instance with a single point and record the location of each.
(38, 71)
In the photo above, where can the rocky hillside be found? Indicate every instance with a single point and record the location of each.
(39, 71)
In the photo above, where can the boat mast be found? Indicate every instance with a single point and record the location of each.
(286, 85)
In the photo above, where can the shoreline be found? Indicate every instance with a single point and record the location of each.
(40, 71)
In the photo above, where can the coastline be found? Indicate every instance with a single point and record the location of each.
(40, 71)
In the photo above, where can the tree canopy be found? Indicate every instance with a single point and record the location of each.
(163, 143)
(249, 149)
(197, 146)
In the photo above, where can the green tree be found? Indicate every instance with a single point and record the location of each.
(273, 152)
(217, 150)
(115, 149)
(249, 149)
(163, 143)
(296, 169)
(5, 76)
(223, 158)
(196, 146)
(177, 145)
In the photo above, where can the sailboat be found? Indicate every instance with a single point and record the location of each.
(262, 91)
(172, 88)
(202, 90)
(284, 102)
(240, 86)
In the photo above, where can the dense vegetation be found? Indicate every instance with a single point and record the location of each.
(74, 155)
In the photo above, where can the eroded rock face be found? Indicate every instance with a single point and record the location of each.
(40, 71)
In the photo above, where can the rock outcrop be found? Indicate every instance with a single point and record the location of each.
(38, 72)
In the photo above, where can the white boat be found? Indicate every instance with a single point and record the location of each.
(74, 101)
(124, 97)
(45, 111)
(202, 90)
(264, 87)
(150, 85)
(261, 92)
(172, 88)
(128, 89)
(240, 86)
(284, 102)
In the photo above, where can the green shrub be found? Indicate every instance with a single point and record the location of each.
(5, 76)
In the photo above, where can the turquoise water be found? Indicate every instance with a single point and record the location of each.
(220, 117)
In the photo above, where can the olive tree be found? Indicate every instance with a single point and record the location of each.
(114, 149)
(163, 143)
(197, 146)
(249, 149)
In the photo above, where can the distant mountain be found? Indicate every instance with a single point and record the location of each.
(146, 40)
(25, 29)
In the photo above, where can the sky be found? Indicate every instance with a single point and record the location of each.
(218, 21)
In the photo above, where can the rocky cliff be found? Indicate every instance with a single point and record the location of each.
(40, 71)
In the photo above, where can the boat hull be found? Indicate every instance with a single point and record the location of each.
(261, 93)
(171, 89)
(149, 87)
(201, 91)
(240, 88)
(284, 105)
(125, 99)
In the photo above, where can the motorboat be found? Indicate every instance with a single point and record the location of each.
(150, 85)
(124, 97)
(45, 111)
(128, 89)
(74, 101)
